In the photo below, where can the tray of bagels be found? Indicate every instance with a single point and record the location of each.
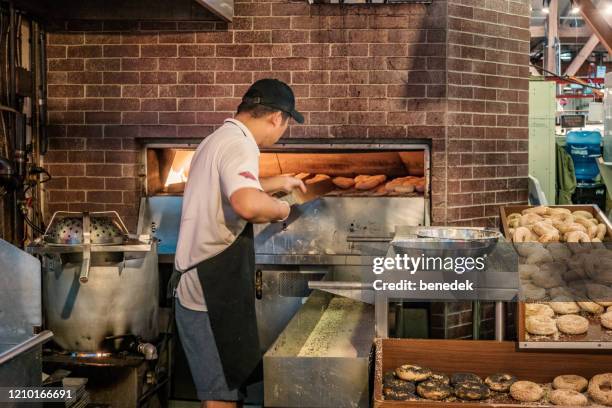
(481, 373)
(565, 270)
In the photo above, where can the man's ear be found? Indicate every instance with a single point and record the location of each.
(277, 118)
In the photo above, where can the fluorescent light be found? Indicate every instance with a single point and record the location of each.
(545, 10)
(608, 9)
(575, 9)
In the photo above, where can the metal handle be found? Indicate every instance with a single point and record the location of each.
(84, 276)
(25, 346)
(258, 284)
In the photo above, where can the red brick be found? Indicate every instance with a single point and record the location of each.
(139, 64)
(272, 50)
(310, 50)
(140, 91)
(197, 104)
(177, 38)
(70, 64)
(177, 118)
(104, 144)
(85, 131)
(103, 64)
(158, 104)
(289, 36)
(84, 78)
(66, 38)
(56, 196)
(177, 91)
(215, 37)
(105, 196)
(63, 170)
(102, 38)
(158, 77)
(290, 9)
(252, 37)
(123, 183)
(84, 104)
(92, 91)
(121, 51)
(236, 50)
(294, 63)
(159, 50)
(121, 157)
(194, 131)
(253, 9)
(65, 91)
(271, 23)
(121, 78)
(139, 38)
(102, 117)
(66, 117)
(252, 64)
(211, 118)
(66, 144)
(140, 118)
(84, 183)
(121, 131)
(328, 118)
(351, 50)
(87, 156)
(233, 77)
(121, 104)
(329, 64)
(309, 77)
(177, 64)
(196, 77)
(196, 50)
(212, 91)
(85, 51)
(214, 64)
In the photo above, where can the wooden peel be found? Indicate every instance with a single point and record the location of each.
(313, 191)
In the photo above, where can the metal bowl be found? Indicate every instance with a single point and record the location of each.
(448, 242)
(69, 231)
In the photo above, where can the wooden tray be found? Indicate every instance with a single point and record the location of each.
(597, 337)
(483, 358)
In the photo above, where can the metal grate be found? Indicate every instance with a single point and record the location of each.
(295, 284)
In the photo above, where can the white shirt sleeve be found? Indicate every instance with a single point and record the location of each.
(238, 168)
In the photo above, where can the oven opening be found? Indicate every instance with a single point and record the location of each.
(400, 172)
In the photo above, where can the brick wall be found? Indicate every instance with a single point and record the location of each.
(358, 71)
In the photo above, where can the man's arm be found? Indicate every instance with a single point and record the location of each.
(258, 207)
(274, 184)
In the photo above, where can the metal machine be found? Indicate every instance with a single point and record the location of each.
(21, 339)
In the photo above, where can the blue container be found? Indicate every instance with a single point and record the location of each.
(584, 147)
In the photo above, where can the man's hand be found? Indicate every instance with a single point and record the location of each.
(287, 184)
(292, 183)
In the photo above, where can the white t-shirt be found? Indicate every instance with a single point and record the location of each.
(224, 162)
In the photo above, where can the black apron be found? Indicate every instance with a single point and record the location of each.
(228, 281)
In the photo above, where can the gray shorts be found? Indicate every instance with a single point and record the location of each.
(201, 351)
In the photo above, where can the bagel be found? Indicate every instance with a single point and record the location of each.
(582, 214)
(559, 210)
(408, 372)
(568, 398)
(570, 382)
(343, 182)
(526, 391)
(586, 223)
(572, 324)
(601, 294)
(540, 325)
(532, 292)
(472, 391)
(591, 307)
(398, 395)
(529, 219)
(600, 389)
(370, 182)
(434, 390)
(500, 382)
(564, 305)
(574, 227)
(562, 217)
(458, 378)
(540, 210)
(513, 216)
(539, 257)
(521, 234)
(443, 378)
(546, 279)
(538, 309)
(606, 319)
(577, 236)
(526, 271)
(602, 230)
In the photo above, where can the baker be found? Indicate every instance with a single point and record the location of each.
(215, 255)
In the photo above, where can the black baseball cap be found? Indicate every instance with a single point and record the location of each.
(274, 94)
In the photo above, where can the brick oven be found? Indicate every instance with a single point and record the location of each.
(454, 72)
